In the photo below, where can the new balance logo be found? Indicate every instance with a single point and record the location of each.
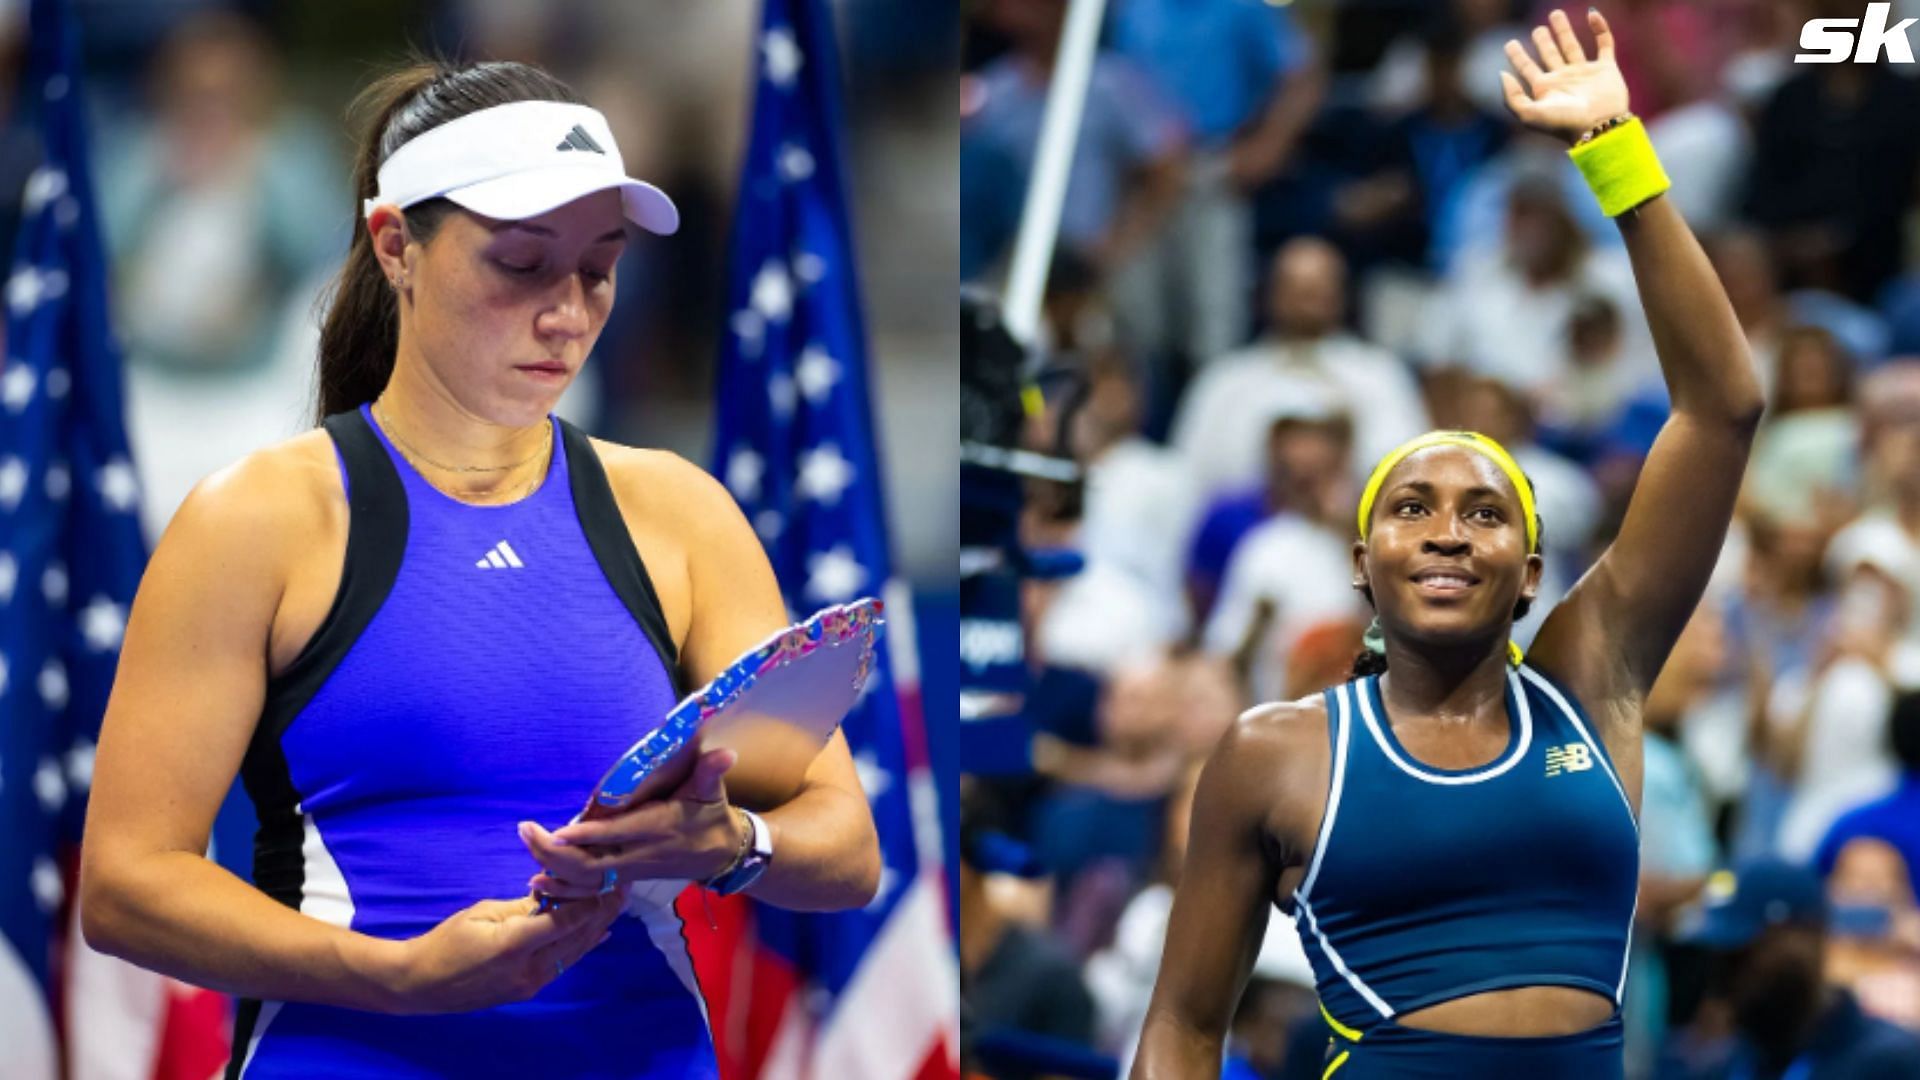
(500, 558)
(1573, 757)
(578, 139)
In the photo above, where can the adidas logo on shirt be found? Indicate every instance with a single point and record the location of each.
(500, 558)
(1573, 757)
(578, 139)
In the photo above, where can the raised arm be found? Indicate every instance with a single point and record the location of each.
(1615, 628)
(1220, 909)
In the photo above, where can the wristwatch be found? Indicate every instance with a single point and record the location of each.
(752, 862)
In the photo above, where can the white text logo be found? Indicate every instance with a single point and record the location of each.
(1835, 41)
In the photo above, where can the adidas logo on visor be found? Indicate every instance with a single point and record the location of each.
(501, 557)
(578, 139)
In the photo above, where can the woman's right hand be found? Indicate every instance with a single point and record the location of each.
(1565, 94)
(498, 951)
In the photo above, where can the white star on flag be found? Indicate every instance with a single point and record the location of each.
(13, 482)
(773, 292)
(817, 372)
(795, 163)
(101, 623)
(751, 329)
(53, 684)
(47, 890)
(783, 56)
(59, 481)
(874, 780)
(809, 267)
(29, 286)
(57, 382)
(80, 764)
(744, 469)
(768, 523)
(9, 575)
(824, 474)
(835, 576)
(47, 183)
(781, 394)
(49, 786)
(119, 488)
(16, 386)
(53, 583)
(3, 674)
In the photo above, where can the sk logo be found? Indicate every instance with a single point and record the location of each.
(1572, 757)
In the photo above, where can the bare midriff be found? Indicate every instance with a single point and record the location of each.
(1520, 1012)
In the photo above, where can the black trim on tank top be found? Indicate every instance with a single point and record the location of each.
(376, 542)
(246, 1014)
(613, 547)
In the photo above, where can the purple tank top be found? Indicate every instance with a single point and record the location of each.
(480, 666)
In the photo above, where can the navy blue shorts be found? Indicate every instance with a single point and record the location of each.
(1403, 1053)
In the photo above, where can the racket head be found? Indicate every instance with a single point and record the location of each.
(782, 699)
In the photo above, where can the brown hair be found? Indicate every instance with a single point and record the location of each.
(361, 328)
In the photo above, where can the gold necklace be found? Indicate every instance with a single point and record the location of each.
(407, 448)
(416, 454)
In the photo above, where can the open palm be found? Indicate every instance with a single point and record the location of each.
(1565, 94)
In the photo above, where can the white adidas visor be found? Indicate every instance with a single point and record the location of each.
(519, 161)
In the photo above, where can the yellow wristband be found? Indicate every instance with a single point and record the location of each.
(1621, 167)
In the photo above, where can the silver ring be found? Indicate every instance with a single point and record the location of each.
(609, 880)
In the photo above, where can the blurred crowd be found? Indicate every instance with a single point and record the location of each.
(1297, 234)
(221, 147)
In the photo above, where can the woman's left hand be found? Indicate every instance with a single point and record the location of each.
(691, 834)
(1565, 94)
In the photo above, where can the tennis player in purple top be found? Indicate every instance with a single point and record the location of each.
(422, 631)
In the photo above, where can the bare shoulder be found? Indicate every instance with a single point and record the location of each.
(1273, 766)
(273, 500)
(666, 502)
(648, 477)
(252, 557)
(1280, 730)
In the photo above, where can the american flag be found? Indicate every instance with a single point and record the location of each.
(870, 994)
(71, 554)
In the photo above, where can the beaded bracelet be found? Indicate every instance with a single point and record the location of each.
(1603, 127)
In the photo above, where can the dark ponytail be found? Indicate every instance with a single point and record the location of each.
(1368, 663)
(361, 328)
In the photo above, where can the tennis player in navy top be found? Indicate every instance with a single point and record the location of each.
(421, 632)
(1453, 831)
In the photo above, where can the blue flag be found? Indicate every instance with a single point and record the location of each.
(71, 550)
(795, 445)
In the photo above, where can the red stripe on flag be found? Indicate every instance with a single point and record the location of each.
(194, 1034)
(939, 1064)
(746, 988)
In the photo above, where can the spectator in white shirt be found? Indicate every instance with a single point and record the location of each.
(1507, 313)
(1289, 576)
(1221, 426)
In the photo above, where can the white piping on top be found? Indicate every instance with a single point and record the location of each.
(1573, 717)
(1379, 1005)
(1514, 753)
(1343, 717)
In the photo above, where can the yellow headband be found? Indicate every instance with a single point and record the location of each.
(1471, 440)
